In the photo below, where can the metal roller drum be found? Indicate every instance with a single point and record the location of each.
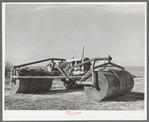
(109, 84)
(29, 85)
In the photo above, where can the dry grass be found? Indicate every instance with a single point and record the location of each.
(58, 98)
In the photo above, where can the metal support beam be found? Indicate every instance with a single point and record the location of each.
(59, 59)
(85, 83)
(47, 77)
(97, 59)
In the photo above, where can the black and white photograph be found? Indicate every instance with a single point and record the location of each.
(74, 61)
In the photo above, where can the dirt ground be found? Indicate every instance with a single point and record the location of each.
(58, 98)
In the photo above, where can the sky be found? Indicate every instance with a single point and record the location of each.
(38, 31)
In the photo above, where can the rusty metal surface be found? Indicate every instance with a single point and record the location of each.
(123, 82)
(113, 84)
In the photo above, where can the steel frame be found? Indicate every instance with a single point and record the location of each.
(80, 79)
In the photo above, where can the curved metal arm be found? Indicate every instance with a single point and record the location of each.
(94, 59)
(40, 62)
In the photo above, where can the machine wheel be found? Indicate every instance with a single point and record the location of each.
(109, 84)
(68, 84)
(71, 84)
(29, 85)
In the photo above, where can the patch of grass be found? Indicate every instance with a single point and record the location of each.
(58, 98)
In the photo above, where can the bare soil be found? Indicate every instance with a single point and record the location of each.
(58, 98)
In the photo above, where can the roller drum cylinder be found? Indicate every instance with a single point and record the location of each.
(30, 85)
(109, 84)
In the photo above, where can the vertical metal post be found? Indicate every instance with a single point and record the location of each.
(83, 59)
(93, 64)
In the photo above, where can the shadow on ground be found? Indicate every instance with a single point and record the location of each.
(56, 91)
(132, 96)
